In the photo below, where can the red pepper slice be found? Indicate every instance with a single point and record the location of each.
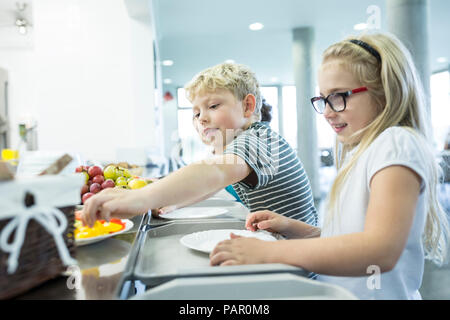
(118, 221)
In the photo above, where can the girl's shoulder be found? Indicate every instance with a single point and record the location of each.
(402, 138)
(399, 146)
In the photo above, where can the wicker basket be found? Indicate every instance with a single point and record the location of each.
(39, 259)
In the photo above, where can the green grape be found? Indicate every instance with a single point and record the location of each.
(111, 172)
(121, 181)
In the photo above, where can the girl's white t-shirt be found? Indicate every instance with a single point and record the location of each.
(394, 146)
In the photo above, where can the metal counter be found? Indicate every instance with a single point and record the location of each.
(149, 262)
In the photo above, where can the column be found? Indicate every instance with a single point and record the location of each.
(408, 20)
(303, 58)
(280, 110)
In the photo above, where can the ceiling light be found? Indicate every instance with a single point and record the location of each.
(22, 25)
(442, 59)
(23, 30)
(256, 26)
(21, 22)
(360, 26)
(274, 79)
(230, 61)
(167, 63)
(167, 81)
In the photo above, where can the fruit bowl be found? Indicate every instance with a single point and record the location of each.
(111, 176)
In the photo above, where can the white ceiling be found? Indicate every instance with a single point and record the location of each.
(9, 11)
(196, 34)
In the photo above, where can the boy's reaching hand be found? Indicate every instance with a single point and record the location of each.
(161, 211)
(113, 203)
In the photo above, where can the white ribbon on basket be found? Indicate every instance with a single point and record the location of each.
(52, 219)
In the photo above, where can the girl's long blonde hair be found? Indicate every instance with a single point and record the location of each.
(395, 87)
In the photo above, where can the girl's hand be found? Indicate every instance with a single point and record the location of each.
(267, 220)
(239, 250)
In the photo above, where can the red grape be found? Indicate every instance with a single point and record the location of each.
(109, 183)
(98, 179)
(95, 171)
(86, 196)
(95, 187)
(84, 189)
(79, 169)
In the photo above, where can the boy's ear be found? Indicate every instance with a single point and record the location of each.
(249, 104)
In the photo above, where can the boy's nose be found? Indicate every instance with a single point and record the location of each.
(202, 118)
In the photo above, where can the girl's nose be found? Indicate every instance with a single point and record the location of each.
(328, 112)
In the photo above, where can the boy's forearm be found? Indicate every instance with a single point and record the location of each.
(190, 184)
(192, 201)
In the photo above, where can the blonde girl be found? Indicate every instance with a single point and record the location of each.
(383, 218)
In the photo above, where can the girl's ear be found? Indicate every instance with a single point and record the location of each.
(249, 104)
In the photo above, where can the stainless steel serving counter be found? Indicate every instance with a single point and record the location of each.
(102, 267)
(98, 274)
(148, 262)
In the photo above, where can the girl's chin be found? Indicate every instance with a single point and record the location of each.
(345, 140)
(342, 139)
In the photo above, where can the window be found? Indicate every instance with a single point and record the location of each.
(182, 101)
(193, 148)
(325, 135)
(271, 96)
(290, 115)
(440, 107)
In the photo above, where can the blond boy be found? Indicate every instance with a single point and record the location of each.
(263, 169)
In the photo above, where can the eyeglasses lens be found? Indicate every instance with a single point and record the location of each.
(319, 105)
(337, 101)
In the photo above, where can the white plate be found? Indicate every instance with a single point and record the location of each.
(205, 241)
(194, 213)
(82, 242)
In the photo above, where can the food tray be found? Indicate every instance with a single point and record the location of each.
(161, 257)
(245, 287)
(236, 211)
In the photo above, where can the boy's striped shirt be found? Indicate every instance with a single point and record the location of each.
(282, 184)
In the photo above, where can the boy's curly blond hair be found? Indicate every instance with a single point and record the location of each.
(236, 78)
